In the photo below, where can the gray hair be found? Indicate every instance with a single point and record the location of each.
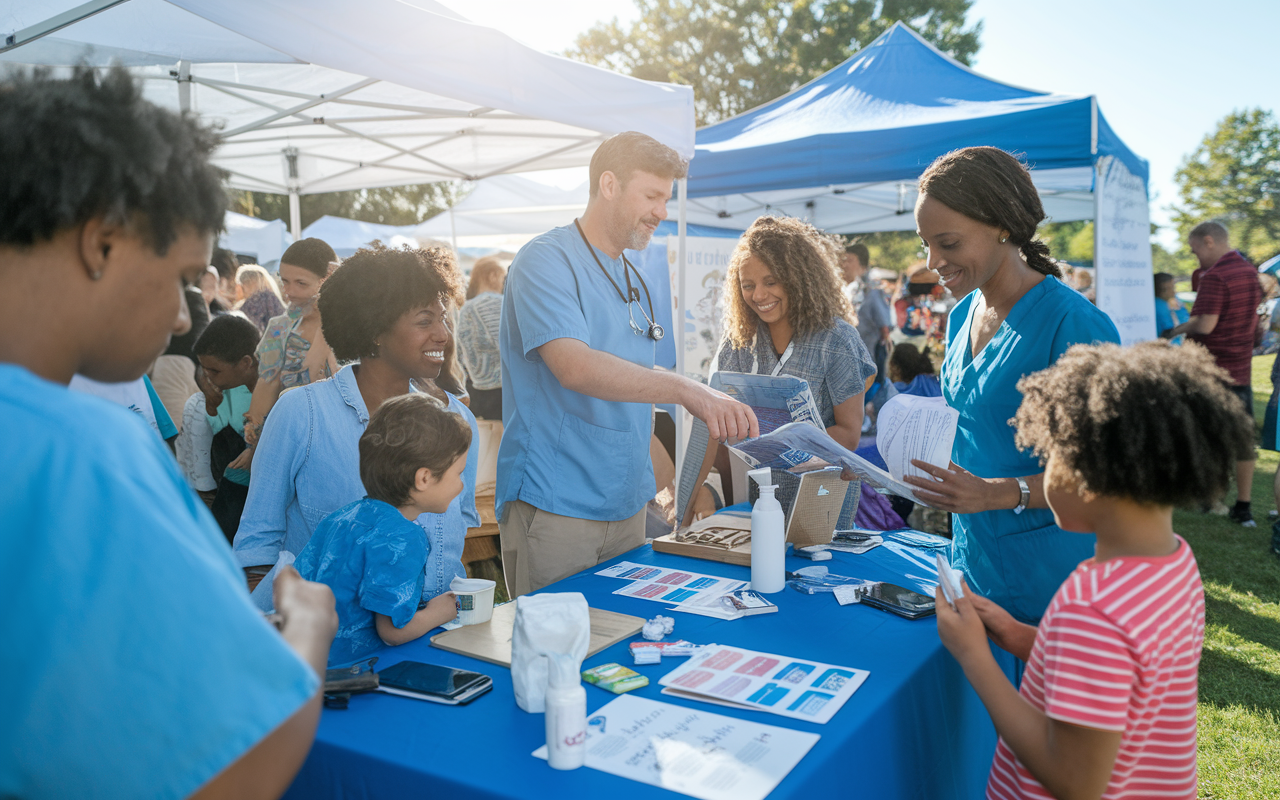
(1216, 230)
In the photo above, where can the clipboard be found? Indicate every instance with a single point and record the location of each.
(491, 641)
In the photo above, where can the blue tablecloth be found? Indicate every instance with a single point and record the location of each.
(915, 729)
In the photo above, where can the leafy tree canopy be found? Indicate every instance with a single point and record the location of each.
(738, 54)
(1234, 177)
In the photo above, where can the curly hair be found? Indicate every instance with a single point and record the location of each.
(376, 286)
(1153, 423)
(993, 187)
(807, 264)
(87, 146)
(406, 434)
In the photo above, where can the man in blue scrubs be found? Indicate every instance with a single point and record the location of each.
(577, 341)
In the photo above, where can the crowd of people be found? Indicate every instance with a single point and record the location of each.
(313, 505)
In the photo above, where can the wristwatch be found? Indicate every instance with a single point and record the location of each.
(1024, 498)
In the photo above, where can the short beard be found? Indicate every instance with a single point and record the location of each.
(638, 239)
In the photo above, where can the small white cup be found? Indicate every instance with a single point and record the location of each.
(475, 599)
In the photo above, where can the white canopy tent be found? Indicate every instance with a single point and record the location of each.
(328, 95)
(346, 236)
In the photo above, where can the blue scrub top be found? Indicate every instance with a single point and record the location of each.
(134, 664)
(1015, 560)
(565, 452)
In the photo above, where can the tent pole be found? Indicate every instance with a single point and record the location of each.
(184, 86)
(453, 231)
(677, 321)
(295, 214)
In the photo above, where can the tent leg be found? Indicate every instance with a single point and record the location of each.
(677, 321)
(295, 215)
(453, 232)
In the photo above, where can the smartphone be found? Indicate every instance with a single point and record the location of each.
(433, 683)
(903, 602)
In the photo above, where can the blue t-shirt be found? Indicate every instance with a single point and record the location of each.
(1167, 318)
(373, 559)
(231, 411)
(1015, 560)
(134, 664)
(562, 451)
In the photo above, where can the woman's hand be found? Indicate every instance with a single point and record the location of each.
(961, 492)
(961, 629)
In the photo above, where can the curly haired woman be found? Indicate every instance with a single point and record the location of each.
(789, 316)
(386, 310)
(977, 214)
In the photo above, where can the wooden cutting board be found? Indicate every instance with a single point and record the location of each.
(491, 641)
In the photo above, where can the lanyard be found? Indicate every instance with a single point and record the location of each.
(755, 357)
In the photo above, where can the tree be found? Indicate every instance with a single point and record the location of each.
(738, 54)
(1234, 177)
(395, 205)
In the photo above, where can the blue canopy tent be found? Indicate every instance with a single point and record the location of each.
(844, 150)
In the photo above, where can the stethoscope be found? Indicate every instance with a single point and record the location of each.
(653, 330)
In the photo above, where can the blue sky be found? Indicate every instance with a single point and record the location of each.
(1164, 71)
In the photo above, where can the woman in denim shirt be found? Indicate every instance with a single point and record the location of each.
(384, 309)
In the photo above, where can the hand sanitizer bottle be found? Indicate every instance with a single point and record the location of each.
(768, 539)
(566, 714)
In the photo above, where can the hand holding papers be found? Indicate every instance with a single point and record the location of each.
(949, 580)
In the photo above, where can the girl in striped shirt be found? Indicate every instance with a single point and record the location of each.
(1107, 706)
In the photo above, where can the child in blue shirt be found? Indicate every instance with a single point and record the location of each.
(228, 372)
(372, 552)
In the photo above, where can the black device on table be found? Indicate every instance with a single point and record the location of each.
(433, 683)
(897, 600)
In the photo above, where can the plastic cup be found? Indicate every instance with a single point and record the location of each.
(475, 599)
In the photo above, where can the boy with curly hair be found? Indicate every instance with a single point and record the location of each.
(1108, 699)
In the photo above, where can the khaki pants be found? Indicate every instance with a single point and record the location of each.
(539, 548)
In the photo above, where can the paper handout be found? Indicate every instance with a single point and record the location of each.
(790, 687)
(690, 751)
(801, 447)
(912, 427)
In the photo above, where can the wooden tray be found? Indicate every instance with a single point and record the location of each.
(740, 555)
(491, 641)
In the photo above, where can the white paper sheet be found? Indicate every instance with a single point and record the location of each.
(691, 751)
(790, 687)
(911, 427)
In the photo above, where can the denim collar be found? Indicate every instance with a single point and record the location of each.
(345, 380)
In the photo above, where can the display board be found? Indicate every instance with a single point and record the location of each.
(1122, 251)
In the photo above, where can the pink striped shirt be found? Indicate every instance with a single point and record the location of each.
(1119, 650)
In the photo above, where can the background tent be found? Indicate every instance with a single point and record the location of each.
(265, 240)
(327, 95)
(845, 150)
(346, 236)
(506, 211)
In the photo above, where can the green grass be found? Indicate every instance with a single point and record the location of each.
(1239, 712)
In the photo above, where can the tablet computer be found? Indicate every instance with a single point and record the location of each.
(433, 683)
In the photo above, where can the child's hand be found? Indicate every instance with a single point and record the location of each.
(442, 604)
(961, 629)
(1009, 634)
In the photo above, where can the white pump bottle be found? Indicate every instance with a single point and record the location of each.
(768, 537)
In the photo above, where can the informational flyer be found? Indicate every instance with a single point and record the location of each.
(910, 428)
(690, 751)
(668, 585)
(790, 687)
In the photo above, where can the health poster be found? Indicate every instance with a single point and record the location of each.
(687, 750)
(790, 687)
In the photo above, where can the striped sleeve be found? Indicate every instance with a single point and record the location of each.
(1089, 669)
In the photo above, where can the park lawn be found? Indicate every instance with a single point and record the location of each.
(1239, 711)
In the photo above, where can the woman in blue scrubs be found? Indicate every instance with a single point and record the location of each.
(977, 213)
